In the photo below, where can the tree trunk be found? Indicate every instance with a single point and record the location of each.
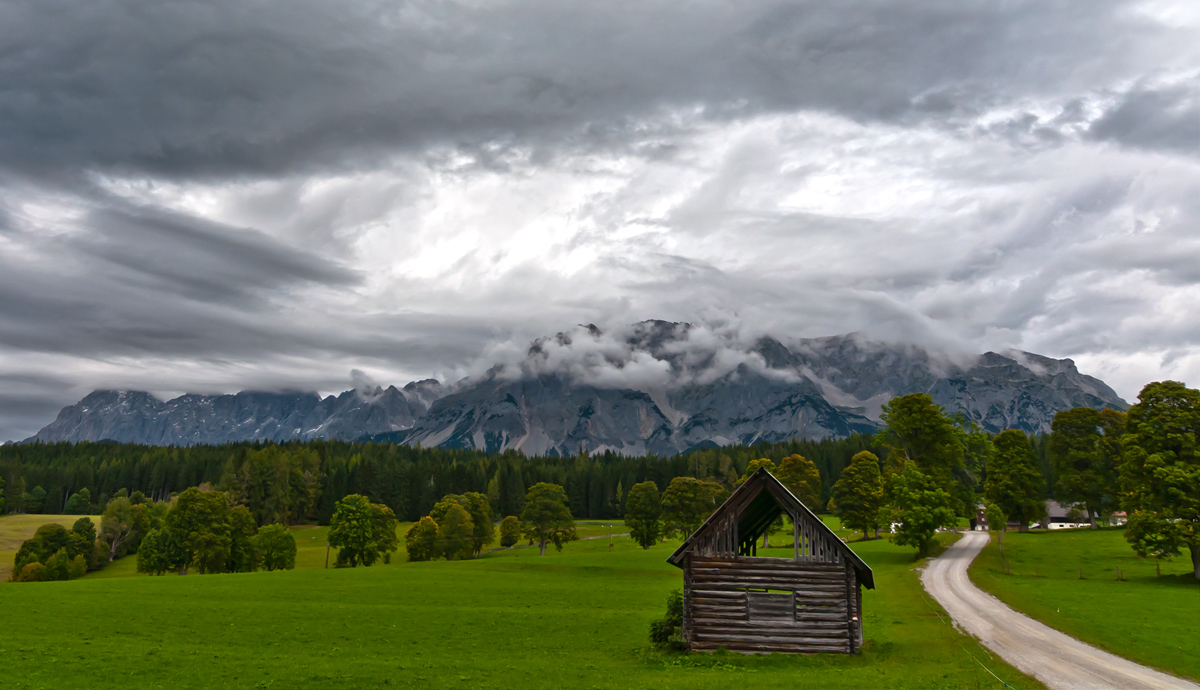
(1196, 561)
(542, 547)
(865, 534)
(766, 537)
(877, 528)
(1023, 527)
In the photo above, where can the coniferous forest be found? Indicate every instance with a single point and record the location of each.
(302, 481)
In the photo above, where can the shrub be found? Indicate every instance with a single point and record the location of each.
(510, 531)
(667, 632)
(32, 572)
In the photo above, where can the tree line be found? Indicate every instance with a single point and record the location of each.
(923, 471)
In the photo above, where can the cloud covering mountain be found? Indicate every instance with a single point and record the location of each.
(207, 197)
(655, 387)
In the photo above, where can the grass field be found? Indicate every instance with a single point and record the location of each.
(511, 619)
(15, 529)
(1149, 619)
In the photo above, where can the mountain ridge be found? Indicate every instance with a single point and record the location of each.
(654, 387)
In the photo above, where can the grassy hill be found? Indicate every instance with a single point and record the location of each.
(508, 620)
(1149, 619)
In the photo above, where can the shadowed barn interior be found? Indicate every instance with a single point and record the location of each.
(737, 600)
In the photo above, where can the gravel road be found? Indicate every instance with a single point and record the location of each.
(1058, 660)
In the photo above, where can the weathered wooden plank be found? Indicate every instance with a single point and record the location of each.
(703, 636)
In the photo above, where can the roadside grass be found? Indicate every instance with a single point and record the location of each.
(15, 529)
(508, 620)
(1148, 619)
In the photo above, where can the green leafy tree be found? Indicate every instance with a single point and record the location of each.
(159, 553)
(98, 557)
(80, 503)
(510, 531)
(362, 531)
(454, 533)
(199, 525)
(919, 431)
(546, 517)
(756, 465)
(858, 495)
(920, 506)
(243, 556)
(85, 530)
(1013, 480)
(478, 508)
(643, 513)
(383, 525)
(351, 531)
(276, 547)
(421, 540)
(1160, 472)
(802, 478)
(688, 502)
(1084, 449)
(47, 541)
(117, 525)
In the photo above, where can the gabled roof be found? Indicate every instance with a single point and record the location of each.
(756, 504)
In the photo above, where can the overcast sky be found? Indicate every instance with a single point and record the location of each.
(260, 194)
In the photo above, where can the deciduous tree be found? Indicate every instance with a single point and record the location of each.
(454, 533)
(920, 506)
(510, 531)
(1013, 480)
(276, 547)
(919, 431)
(1085, 451)
(546, 517)
(858, 495)
(421, 540)
(802, 478)
(1160, 472)
(688, 502)
(643, 510)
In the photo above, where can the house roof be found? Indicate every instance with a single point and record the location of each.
(757, 503)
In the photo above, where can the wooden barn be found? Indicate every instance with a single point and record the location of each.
(735, 599)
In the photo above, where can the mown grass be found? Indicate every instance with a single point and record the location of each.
(1149, 619)
(15, 529)
(511, 619)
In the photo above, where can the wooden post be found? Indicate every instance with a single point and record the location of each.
(327, 556)
(796, 543)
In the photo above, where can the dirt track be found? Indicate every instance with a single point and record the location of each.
(1058, 660)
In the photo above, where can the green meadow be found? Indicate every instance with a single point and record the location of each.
(1151, 619)
(511, 619)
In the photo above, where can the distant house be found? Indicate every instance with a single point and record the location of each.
(1118, 518)
(737, 600)
(1060, 516)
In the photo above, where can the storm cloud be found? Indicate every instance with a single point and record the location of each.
(216, 196)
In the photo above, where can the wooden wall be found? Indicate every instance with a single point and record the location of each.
(749, 604)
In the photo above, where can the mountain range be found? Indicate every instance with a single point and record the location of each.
(654, 387)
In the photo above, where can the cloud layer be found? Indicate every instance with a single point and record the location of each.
(208, 197)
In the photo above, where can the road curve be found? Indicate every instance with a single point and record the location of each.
(1058, 660)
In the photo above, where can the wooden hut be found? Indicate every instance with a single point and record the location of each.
(735, 599)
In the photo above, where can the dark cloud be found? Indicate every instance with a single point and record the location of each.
(215, 196)
(1166, 117)
(234, 88)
